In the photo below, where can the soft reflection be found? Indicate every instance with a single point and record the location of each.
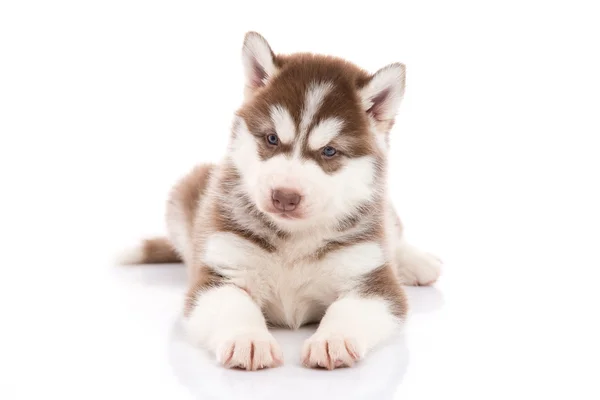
(161, 275)
(424, 299)
(376, 377)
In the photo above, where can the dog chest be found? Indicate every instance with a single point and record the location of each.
(295, 294)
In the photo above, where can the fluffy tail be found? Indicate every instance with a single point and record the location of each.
(150, 251)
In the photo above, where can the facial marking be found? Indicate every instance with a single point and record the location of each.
(314, 98)
(284, 123)
(324, 132)
(325, 106)
(243, 146)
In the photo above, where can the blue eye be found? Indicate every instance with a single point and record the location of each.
(329, 151)
(273, 139)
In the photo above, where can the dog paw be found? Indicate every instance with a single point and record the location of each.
(418, 268)
(251, 351)
(330, 351)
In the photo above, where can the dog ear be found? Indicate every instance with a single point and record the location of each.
(382, 94)
(259, 62)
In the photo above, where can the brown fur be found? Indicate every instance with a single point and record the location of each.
(221, 212)
(205, 279)
(288, 89)
(384, 283)
(188, 190)
(159, 250)
(365, 233)
(224, 224)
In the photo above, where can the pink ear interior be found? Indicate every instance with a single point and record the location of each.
(377, 108)
(258, 75)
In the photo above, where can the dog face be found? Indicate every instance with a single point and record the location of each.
(310, 140)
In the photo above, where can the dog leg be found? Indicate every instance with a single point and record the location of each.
(357, 322)
(227, 322)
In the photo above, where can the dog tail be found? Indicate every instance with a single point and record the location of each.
(150, 251)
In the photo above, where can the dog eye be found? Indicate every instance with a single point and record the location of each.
(272, 139)
(329, 151)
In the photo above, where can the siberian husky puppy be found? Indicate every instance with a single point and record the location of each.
(294, 225)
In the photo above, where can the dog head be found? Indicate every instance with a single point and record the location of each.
(310, 140)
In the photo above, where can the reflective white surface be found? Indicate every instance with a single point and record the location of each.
(116, 332)
(376, 377)
(384, 370)
(482, 339)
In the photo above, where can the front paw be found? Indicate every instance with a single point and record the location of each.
(330, 351)
(250, 351)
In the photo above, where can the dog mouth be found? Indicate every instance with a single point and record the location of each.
(288, 215)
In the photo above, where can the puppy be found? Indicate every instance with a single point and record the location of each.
(294, 225)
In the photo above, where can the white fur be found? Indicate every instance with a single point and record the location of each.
(314, 98)
(256, 50)
(284, 123)
(360, 323)
(227, 322)
(392, 79)
(244, 153)
(356, 260)
(416, 267)
(324, 132)
(288, 284)
(230, 254)
(298, 292)
(179, 228)
(325, 197)
(355, 181)
(131, 255)
(380, 138)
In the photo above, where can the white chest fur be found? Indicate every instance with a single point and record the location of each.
(290, 284)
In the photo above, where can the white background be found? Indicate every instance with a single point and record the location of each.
(495, 165)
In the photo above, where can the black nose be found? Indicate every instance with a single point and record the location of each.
(285, 200)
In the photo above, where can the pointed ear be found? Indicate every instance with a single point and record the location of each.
(259, 62)
(382, 94)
